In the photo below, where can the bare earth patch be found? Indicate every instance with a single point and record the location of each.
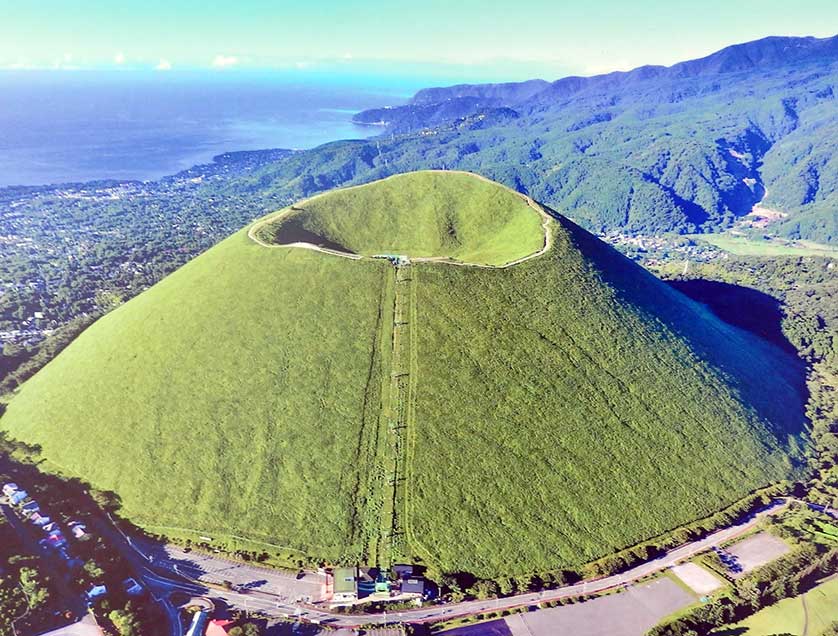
(697, 578)
(757, 550)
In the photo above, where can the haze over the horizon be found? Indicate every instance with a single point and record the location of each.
(471, 40)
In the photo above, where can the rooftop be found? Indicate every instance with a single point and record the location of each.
(344, 580)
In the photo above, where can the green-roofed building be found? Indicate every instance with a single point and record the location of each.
(346, 584)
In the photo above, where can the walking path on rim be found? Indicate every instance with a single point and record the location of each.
(546, 219)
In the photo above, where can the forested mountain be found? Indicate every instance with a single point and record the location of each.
(687, 148)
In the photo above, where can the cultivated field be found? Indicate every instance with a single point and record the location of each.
(744, 246)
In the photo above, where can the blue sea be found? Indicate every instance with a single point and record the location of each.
(58, 127)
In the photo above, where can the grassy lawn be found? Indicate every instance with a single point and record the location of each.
(788, 615)
(424, 214)
(745, 246)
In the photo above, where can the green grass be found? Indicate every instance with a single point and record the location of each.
(788, 616)
(551, 411)
(229, 397)
(425, 214)
(748, 246)
(573, 403)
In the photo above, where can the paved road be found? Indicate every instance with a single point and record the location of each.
(278, 605)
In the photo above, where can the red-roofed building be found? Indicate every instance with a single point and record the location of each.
(219, 627)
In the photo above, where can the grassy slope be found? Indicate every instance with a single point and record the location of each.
(428, 214)
(209, 403)
(558, 417)
(787, 616)
(561, 409)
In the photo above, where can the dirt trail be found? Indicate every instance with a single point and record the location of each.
(252, 232)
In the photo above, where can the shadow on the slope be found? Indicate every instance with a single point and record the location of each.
(291, 230)
(758, 363)
(742, 307)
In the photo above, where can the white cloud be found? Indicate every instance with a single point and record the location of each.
(163, 65)
(119, 58)
(225, 61)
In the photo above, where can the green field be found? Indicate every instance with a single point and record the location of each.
(816, 610)
(747, 246)
(490, 420)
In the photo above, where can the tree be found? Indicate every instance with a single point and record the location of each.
(93, 571)
(125, 621)
(484, 589)
(507, 586)
(34, 587)
(246, 629)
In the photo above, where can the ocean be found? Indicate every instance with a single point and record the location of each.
(63, 126)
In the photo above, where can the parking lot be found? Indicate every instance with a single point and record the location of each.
(629, 613)
(287, 587)
(755, 551)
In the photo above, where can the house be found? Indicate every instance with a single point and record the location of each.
(414, 585)
(219, 627)
(131, 587)
(9, 489)
(18, 496)
(346, 584)
(382, 584)
(366, 581)
(198, 626)
(79, 531)
(402, 571)
(30, 508)
(40, 520)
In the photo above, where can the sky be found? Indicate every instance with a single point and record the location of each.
(486, 40)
